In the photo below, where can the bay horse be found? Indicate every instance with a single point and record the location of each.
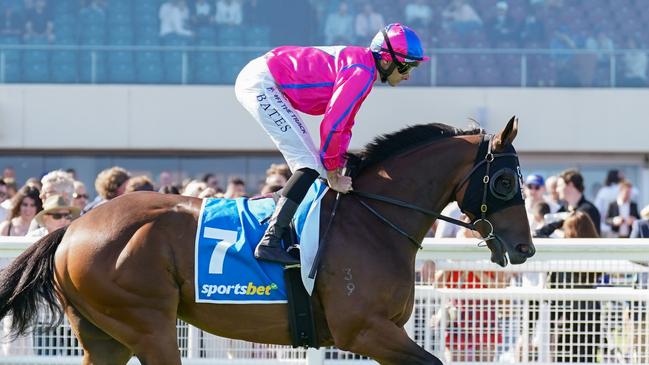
(124, 272)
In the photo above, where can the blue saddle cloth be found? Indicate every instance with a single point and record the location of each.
(226, 270)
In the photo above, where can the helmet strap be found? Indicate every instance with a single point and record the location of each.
(384, 72)
(393, 54)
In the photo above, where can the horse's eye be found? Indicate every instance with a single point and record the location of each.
(503, 184)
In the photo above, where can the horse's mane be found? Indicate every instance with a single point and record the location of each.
(388, 145)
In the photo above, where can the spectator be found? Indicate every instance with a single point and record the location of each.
(80, 195)
(12, 190)
(228, 12)
(339, 27)
(9, 173)
(165, 179)
(589, 63)
(169, 189)
(606, 195)
(174, 17)
(579, 225)
(538, 212)
(209, 193)
(11, 23)
(534, 194)
(561, 43)
(38, 22)
(472, 334)
(460, 17)
(57, 182)
(211, 181)
(622, 212)
(444, 228)
(139, 183)
(503, 27)
(202, 14)
(57, 213)
(571, 190)
(367, 22)
(577, 322)
(640, 227)
(604, 45)
(419, 15)
(110, 183)
(32, 181)
(3, 196)
(533, 29)
(236, 188)
(194, 188)
(26, 203)
(269, 189)
(72, 173)
(634, 62)
(278, 174)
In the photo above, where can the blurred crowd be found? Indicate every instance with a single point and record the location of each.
(562, 26)
(39, 206)
(556, 207)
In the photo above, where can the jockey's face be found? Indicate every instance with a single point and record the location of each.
(395, 77)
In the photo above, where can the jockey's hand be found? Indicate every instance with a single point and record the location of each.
(339, 182)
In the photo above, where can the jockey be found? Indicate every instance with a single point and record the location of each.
(333, 81)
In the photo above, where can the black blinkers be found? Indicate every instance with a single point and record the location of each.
(495, 182)
(503, 184)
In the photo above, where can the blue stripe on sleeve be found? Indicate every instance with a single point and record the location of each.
(306, 86)
(349, 108)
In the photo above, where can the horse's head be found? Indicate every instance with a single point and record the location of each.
(493, 198)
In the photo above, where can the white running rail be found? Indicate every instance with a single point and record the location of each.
(579, 300)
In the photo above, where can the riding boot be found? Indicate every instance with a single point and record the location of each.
(270, 248)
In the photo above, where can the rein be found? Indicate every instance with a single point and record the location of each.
(488, 160)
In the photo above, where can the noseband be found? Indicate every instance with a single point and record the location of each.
(488, 186)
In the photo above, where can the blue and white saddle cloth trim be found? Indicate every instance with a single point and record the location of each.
(226, 270)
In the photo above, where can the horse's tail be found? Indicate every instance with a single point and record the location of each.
(28, 282)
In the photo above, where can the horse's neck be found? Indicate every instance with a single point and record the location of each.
(425, 177)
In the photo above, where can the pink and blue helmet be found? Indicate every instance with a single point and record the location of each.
(404, 42)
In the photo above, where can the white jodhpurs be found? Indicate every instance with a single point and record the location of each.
(257, 91)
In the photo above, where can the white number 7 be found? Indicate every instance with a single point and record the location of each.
(227, 238)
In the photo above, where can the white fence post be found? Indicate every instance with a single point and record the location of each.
(315, 356)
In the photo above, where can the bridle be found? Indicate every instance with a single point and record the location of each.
(487, 179)
(487, 182)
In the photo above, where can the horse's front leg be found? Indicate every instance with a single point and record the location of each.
(385, 342)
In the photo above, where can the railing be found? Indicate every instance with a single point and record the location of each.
(467, 311)
(509, 67)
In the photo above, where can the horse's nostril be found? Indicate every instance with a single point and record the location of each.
(527, 250)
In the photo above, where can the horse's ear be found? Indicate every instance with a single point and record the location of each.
(507, 135)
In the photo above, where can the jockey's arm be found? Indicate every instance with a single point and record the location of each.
(351, 87)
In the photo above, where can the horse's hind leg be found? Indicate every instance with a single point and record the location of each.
(99, 348)
(388, 344)
(160, 346)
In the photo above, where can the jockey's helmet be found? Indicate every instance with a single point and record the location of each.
(399, 44)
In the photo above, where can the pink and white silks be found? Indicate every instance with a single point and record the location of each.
(333, 81)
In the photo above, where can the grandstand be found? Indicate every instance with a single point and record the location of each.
(119, 42)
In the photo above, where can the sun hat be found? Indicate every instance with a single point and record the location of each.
(56, 202)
